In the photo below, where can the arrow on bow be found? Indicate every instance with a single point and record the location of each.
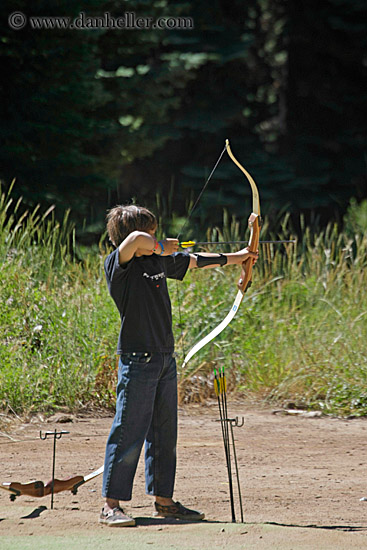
(190, 244)
(245, 279)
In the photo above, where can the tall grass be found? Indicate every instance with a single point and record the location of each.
(58, 327)
(299, 337)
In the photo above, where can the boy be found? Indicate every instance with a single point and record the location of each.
(146, 404)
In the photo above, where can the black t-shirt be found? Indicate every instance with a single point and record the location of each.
(139, 290)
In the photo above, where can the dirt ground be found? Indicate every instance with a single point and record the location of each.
(302, 478)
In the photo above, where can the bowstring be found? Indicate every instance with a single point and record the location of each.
(193, 208)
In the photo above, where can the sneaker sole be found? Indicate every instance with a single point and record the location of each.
(197, 517)
(116, 523)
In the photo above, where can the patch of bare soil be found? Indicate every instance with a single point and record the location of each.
(295, 470)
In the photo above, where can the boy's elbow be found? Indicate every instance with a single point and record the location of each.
(134, 238)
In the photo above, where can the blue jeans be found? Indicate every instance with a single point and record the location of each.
(146, 410)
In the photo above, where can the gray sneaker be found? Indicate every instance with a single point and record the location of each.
(116, 518)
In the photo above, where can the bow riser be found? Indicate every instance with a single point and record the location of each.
(245, 279)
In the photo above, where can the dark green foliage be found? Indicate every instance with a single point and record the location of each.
(50, 130)
(94, 117)
(326, 99)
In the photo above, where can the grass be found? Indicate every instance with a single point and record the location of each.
(298, 339)
(57, 323)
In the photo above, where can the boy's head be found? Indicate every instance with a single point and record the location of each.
(123, 220)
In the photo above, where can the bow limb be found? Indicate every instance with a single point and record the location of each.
(245, 279)
(71, 484)
(217, 330)
(32, 489)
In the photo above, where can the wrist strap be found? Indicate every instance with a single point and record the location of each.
(155, 246)
(162, 247)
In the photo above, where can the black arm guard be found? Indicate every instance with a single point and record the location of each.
(203, 261)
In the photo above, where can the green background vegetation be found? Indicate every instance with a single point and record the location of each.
(92, 118)
(299, 338)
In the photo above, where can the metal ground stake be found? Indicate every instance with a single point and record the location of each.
(56, 435)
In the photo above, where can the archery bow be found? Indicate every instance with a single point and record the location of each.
(245, 279)
(39, 489)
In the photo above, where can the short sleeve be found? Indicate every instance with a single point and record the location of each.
(113, 270)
